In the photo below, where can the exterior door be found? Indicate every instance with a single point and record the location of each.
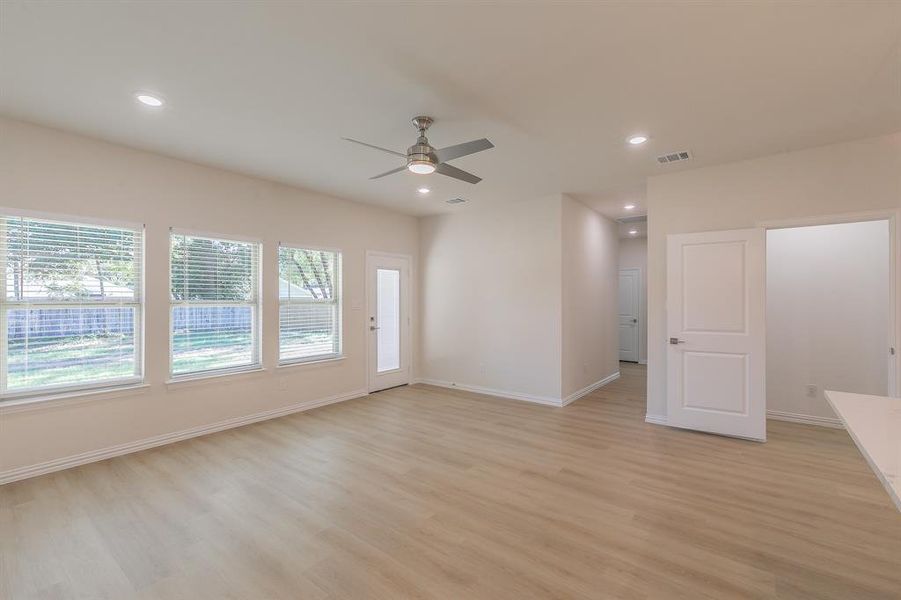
(629, 302)
(388, 320)
(716, 330)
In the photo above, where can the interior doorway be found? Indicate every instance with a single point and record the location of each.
(829, 316)
(629, 313)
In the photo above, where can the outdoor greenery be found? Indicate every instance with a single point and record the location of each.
(211, 270)
(66, 262)
(312, 270)
(76, 266)
(71, 360)
(80, 266)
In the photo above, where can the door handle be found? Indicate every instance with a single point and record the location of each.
(373, 328)
(675, 341)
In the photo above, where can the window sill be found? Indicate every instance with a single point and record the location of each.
(212, 378)
(30, 403)
(313, 362)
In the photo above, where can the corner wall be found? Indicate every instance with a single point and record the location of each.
(851, 177)
(519, 299)
(491, 299)
(590, 275)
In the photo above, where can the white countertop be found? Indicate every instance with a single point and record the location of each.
(874, 423)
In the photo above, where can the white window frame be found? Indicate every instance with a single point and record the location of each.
(51, 391)
(255, 302)
(338, 301)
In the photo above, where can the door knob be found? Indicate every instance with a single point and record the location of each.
(675, 341)
(635, 320)
(373, 328)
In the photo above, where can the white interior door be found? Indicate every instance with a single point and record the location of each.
(716, 329)
(388, 320)
(629, 302)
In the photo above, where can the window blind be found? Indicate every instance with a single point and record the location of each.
(214, 317)
(70, 305)
(309, 304)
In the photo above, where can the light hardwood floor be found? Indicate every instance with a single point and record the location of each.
(425, 492)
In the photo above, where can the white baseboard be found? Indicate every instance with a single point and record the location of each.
(772, 414)
(778, 415)
(655, 419)
(67, 462)
(590, 388)
(548, 400)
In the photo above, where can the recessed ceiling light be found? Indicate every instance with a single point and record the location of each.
(638, 139)
(149, 100)
(633, 232)
(423, 190)
(629, 206)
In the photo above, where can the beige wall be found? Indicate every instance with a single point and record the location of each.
(827, 314)
(864, 175)
(590, 350)
(47, 170)
(519, 298)
(633, 253)
(490, 298)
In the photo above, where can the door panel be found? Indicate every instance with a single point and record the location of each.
(388, 320)
(716, 299)
(714, 304)
(629, 302)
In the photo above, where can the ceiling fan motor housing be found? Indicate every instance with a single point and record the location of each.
(421, 153)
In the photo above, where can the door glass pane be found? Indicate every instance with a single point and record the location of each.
(388, 302)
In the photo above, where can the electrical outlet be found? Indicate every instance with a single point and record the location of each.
(811, 391)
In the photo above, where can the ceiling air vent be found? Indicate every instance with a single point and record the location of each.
(681, 155)
(455, 201)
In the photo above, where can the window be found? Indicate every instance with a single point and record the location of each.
(309, 292)
(70, 305)
(215, 312)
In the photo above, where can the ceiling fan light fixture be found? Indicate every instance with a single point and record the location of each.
(421, 167)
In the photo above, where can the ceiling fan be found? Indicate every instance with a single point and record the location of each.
(423, 159)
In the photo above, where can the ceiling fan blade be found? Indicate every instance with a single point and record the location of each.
(452, 171)
(464, 149)
(375, 147)
(391, 172)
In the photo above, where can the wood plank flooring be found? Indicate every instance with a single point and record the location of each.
(423, 492)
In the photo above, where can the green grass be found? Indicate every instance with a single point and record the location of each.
(74, 360)
(71, 360)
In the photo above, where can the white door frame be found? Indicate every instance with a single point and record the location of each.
(893, 217)
(406, 336)
(640, 300)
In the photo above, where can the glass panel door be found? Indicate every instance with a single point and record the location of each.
(388, 310)
(388, 320)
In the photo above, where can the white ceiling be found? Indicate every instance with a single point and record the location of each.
(268, 88)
